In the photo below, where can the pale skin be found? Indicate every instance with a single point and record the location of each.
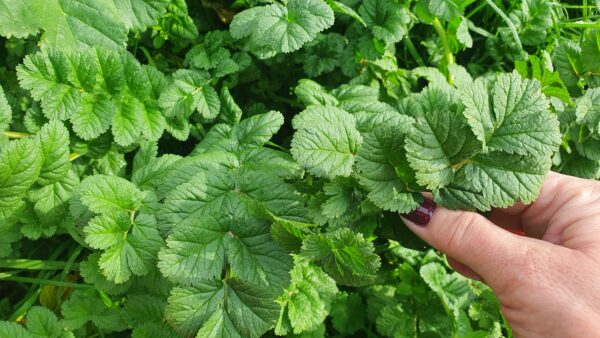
(548, 281)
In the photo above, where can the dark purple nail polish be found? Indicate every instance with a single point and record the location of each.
(422, 215)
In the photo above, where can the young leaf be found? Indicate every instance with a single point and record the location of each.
(326, 141)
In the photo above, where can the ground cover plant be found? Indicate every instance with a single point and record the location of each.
(201, 168)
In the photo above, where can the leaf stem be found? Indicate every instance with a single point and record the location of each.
(439, 28)
(509, 23)
(413, 51)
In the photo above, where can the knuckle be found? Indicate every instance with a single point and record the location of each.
(457, 231)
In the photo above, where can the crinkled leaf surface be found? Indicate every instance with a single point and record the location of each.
(281, 28)
(306, 302)
(346, 256)
(326, 141)
(199, 250)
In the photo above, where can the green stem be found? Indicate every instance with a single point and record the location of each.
(275, 145)
(70, 264)
(15, 134)
(32, 280)
(437, 24)
(35, 264)
(580, 24)
(147, 55)
(413, 51)
(510, 24)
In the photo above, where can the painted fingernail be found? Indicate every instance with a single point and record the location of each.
(422, 215)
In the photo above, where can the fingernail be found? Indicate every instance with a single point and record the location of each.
(422, 215)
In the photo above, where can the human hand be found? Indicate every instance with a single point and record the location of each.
(547, 282)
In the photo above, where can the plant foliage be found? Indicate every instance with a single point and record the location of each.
(236, 168)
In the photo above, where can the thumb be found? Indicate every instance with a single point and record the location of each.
(469, 238)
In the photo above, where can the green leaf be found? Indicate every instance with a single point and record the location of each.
(190, 92)
(42, 322)
(151, 174)
(505, 179)
(134, 254)
(567, 59)
(127, 121)
(477, 110)
(311, 93)
(394, 321)
(348, 313)
(522, 119)
(326, 141)
(306, 302)
(54, 142)
(462, 33)
(51, 201)
(230, 113)
(226, 308)
(139, 14)
(254, 131)
(105, 194)
(84, 306)
(94, 117)
(382, 166)
(589, 51)
(439, 142)
(46, 75)
(80, 23)
(20, 165)
(15, 19)
(281, 28)
(452, 288)
(386, 19)
(340, 7)
(346, 256)
(446, 9)
(198, 250)
(5, 111)
(107, 230)
(143, 308)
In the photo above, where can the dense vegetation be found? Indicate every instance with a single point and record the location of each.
(174, 168)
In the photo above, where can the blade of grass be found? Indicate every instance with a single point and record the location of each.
(35, 264)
